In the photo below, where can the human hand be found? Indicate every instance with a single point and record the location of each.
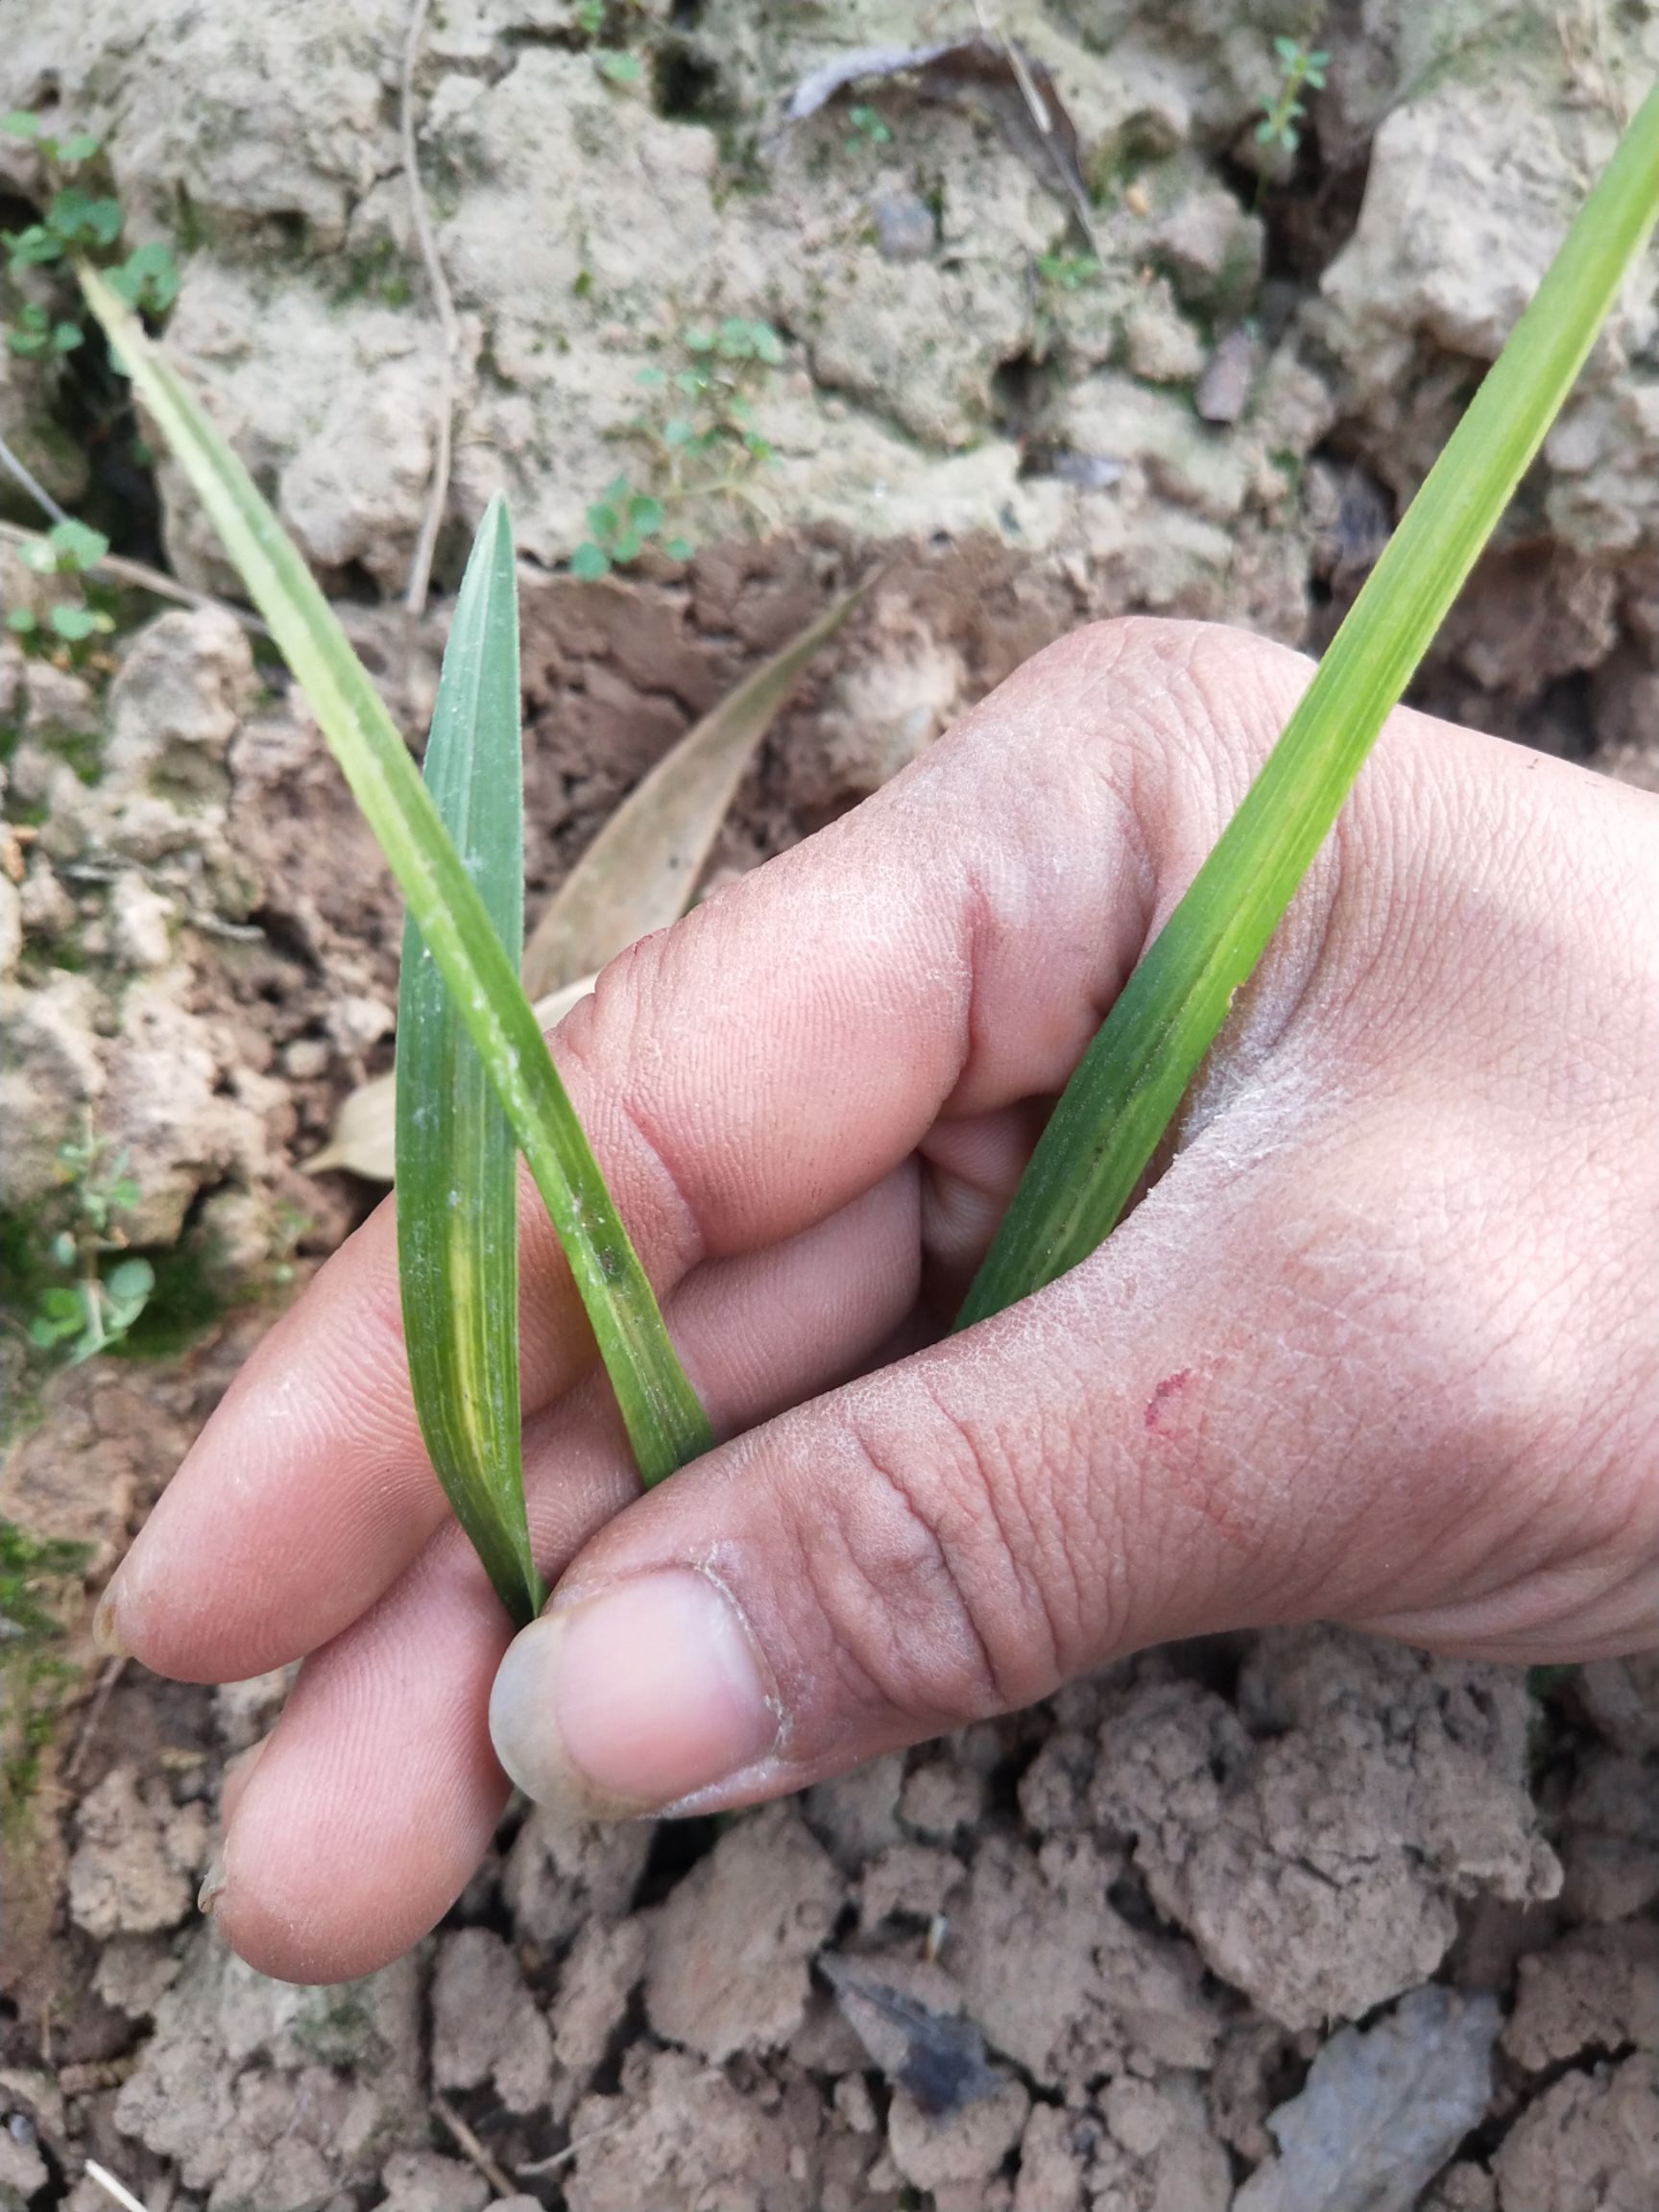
(1378, 1346)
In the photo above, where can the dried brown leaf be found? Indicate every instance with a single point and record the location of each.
(641, 871)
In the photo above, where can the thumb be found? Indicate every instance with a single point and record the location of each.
(1105, 1465)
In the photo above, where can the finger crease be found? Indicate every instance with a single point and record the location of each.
(944, 1565)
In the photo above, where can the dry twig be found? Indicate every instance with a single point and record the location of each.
(552, 2164)
(19, 474)
(111, 1674)
(438, 493)
(991, 29)
(468, 2143)
(118, 2190)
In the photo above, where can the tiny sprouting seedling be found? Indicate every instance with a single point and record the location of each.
(615, 63)
(70, 625)
(78, 223)
(1068, 272)
(36, 1575)
(1059, 275)
(1301, 70)
(103, 1293)
(865, 126)
(617, 67)
(703, 444)
(623, 522)
(707, 441)
(1132, 1079)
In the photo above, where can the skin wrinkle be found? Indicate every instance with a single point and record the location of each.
(995, 1482)
(935, 1568)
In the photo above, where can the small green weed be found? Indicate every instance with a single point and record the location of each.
(1067, 271)
(866, 128)
(623, 522)
(105, 1294)
(615, 63)
(703, 444)
(1301, 69)
(69, 631)
(37, 1576)
(1057, 275)
(79, 220)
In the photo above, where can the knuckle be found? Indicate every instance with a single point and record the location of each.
(612, 1046)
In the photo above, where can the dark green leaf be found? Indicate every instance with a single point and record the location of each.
(457, 1163)
(148, 277)
(34, 247)
(82, 220)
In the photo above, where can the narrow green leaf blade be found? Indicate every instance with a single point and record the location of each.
(364, 1137)
(1136, 1071)
(457, 1163)
(666, 1424)
(636, 876)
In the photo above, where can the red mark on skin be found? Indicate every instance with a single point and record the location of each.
(1172, 1387)
(1204, 1481)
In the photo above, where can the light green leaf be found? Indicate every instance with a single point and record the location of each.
(130, 1282)
(457, 1163)
(1136, 1071)
(77, 545)
(76, 624)
(666, 1424)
